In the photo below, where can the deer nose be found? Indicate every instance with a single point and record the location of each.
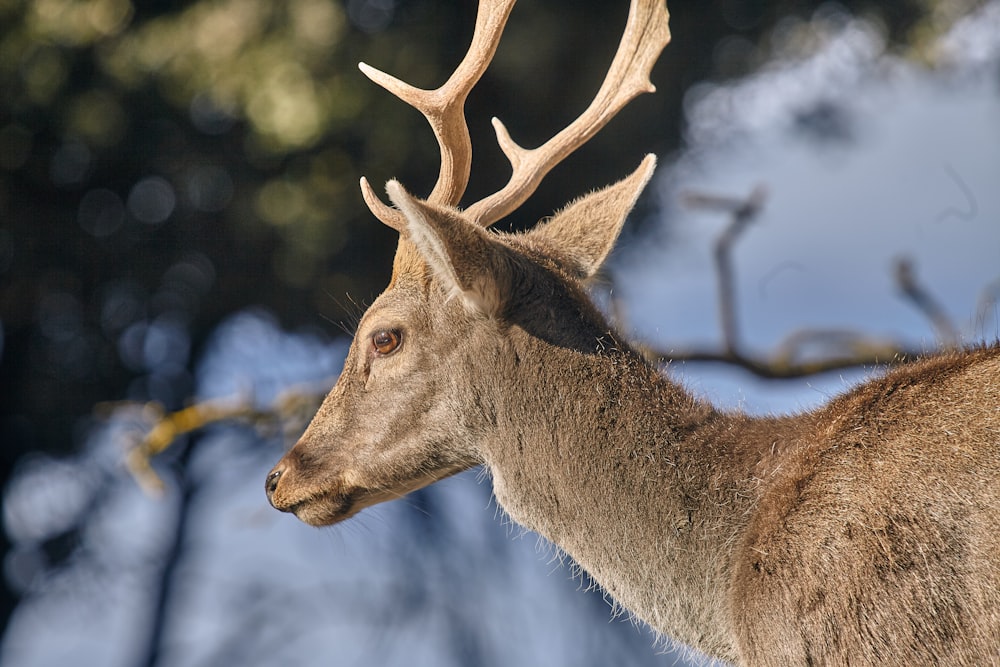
(271, 483)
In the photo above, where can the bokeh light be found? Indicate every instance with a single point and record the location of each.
(70, 164)
(101, 212)
(209, 188)
(152, 200)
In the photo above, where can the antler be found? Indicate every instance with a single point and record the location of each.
(444, 109)
(646, 34)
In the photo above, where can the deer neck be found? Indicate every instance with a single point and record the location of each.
(631, 476)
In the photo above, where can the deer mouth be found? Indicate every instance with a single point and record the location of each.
(331, 503)
(324, 509)
(315, 506)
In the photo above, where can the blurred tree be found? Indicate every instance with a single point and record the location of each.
(165, 164)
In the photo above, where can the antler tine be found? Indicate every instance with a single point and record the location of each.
(444, 109)
(646, 34)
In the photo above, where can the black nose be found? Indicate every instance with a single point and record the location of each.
(271, 483)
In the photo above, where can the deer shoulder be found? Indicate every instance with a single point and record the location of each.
(877, 539)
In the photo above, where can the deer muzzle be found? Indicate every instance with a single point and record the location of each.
(318, 504)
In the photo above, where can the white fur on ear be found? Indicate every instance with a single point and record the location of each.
(458, 252)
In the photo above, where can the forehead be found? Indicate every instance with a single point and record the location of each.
(402, 302)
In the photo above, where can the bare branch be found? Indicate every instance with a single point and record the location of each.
(780, 367)
(742, 212)
(291, 410)
(840, 349)
(986, 305)
(906, 281)
(971, 209)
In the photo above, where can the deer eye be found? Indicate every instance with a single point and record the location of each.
(385, 341)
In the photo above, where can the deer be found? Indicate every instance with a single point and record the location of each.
(866, 531)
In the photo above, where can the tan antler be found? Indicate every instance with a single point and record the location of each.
(444, 109)
(646, 34)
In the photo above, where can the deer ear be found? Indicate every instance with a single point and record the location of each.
(583, 233)
(461, 254)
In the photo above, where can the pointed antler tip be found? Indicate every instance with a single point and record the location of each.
(388, 215)
(404, 91)
(499, 128)
(369, 71)
(514, 151)
(368, 191)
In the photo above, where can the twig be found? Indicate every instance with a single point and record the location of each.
(779, 367)
(165, 428)
(906, 281)
(987, 302)
(173, 556)
(742, 212)
(291, 409)
(971, 203)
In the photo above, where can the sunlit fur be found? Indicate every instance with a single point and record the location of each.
(865, 532)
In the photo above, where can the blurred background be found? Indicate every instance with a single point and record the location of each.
(180, 222)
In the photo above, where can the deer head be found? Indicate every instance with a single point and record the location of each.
(419, 389)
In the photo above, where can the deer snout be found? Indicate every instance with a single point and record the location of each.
(271, 485)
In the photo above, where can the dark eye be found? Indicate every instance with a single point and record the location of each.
(385, 341)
